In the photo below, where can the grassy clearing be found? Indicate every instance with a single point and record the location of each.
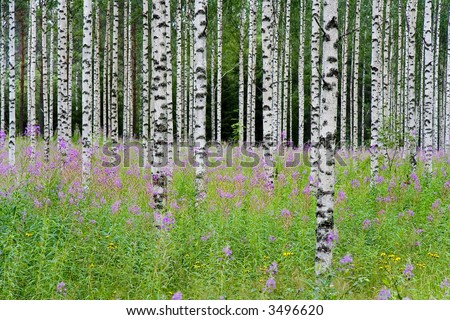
(104, 244)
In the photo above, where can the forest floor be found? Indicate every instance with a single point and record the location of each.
(245, 241)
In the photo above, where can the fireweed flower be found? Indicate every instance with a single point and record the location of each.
(285, 213)
(272, 238)
(341, 196)
(445, 283)
(273, 269)
(332, 236)
(384, 294)
(227, 251)
(270, 285)
(436, 204)
(366, 224)
(115, 206)
(346, 259)
(164, 222)
(408, 271)
(61, 288)
(177, 296)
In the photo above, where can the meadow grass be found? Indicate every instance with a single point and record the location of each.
(245, 241)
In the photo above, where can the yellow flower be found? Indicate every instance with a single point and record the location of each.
(421, 265)
(397, 259)
(287, 254)
(112, 246)
(383, 254)
(433, 255)
(28, 234)
(266, 257)
(91, 265)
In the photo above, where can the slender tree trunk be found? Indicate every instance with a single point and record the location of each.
(301, 84)
(213, 94)
(384, 113)
(12, 94)
(219, 71)
(191, 78)
(126, 105)
(428, 90)
(200, 89)
(106, 75)
(251, 72)
(400, 61)
(179, 86)
(355, 95)
(286, 67)
(145, 82)
(266, 31)
(87, 92)
(159, 100)
(50, 82)
(344, 77)
(32, 80)
(97, 100)
(315, 91)
(129, 77)
(69, 81)
(169, 95)
(115, 75)
(376, 77)
(447, 104)
(327, 144)
(241, 76)
(436, 36)
(44, 81)
(411, 14)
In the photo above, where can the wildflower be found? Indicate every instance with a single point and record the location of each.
(177, 296)
(346, 259)
(355, 183)
(61, 288)
(379, 179)
(270, 285)
(115, 206)
(410, 213)
(384, 294)
(306, 190)
(273, 269)
(287, 254)
(366, 224)
(430, 218)
(408, 271)
(445, 283)
(28, 234)
(135, 209)
(272, 238)
(227, 251)
(285, 213)
(206, 236)
(112, 246)
(332, 236)
(164, 222)
(436, 204)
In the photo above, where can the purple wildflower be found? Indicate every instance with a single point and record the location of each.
(270, 285)
(436, 204)
(272, 238)
(379, 179)
(408, 271)
(115, 206)
(332, 236)
(384, 294)
(164, 222)
(273, 269)
(445, 283)
(61, 288)
(366, 224)
(177, 296)
(346, 259)
(341, 196)
(285, 213)
(227, 251)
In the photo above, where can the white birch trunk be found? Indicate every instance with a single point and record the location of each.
(200, 89)
(355, 94)
(159, 100)
(251, 72)
(44, 82)
(3, 71)
(344, 77)
(301, 68)
(428, 89)
(219, 71)
(436, 35)
(411, 16)
(286, 68)
(87, 93)
(241, 76)
(179, 86)
(12, 79)
(145, 83)
(213, 94)
(32, 80)
(327, 145)
(115, 75)
(169, 85)
(97, 100)
(376, 82)
(266, 31)
(447, 104)
(126, 103)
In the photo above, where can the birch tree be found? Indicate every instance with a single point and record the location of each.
(12, 79)
(436, 36)
(97, 101)
(126, 62)
(301, 68)
(115, 75)
(44, 82)
(286, 68)
(179, 75)
(344, 76)
(32, 82)
(428, 89)
(200, 90)
(355, 94)
(315, 90)
(375, 87)
(3, 70)
(159, 100)
(63, 129)
(327, 144)
(219, 70)
(447, 105)
(87, 92)
(145, 82)
(251, 71)
(241, 75)
(266, 31)
(411, 16)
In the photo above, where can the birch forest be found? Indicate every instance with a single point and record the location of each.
(224, 149)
